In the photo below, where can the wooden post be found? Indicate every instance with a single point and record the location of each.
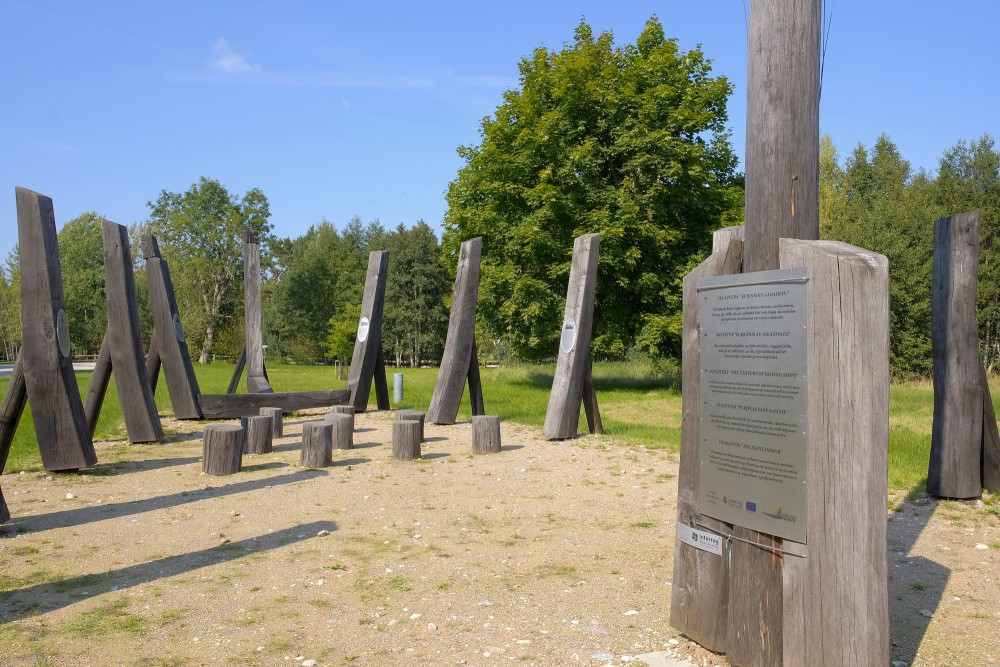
(4, 512)
(277, 421)
(412, 415)
(405, 439)
(56, 409)
(459, 361)
(169, 339)
(381, 387)
(259, 434)
(317, 445)
(14, 400)
(960, 393)
(573, 360)
(98, 388)
(343, 429)
(782, 151)
(256, 376)
(368, 346)
(343, 409)
(590, 406)
(222, 449)
(991, 440)
(241, 362)
(135, 393)
(699, 604)
(485, 434)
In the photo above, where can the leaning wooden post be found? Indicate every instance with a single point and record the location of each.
(4, 512)
(56, 409)
(573, 361)
(99, 381)
(14, 400)
(782, 149)
(958, 455)
(169, 340)
(367, 347)
(256, 375)
(459, 361)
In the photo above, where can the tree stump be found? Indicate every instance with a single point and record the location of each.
(343, 429)
(222, 449)
(406, 440)
(412, 415)
(317, 445)
(485, 434)
(277, 425)
(259, 431)
(342, 410)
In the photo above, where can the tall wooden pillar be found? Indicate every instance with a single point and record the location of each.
(367, 359)
(460, 361)
(257, 382)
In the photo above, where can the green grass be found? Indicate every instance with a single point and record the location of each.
(640, 405)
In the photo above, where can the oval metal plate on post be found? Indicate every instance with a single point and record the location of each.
(363, 326)
(179, 328)
(567, 341)
(62, 332)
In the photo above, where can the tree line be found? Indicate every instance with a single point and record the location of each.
(629, 141)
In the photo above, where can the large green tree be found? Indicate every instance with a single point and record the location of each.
(628, 141)
(81, 259)
(201, 235)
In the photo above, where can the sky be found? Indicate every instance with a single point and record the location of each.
(339, 109)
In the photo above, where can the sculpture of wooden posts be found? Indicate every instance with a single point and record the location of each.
(252, 354)
(367, 363)
(965, 449)
(168, 345)
(121, 350)
(44, 373)
(574, 380)
(460, 359)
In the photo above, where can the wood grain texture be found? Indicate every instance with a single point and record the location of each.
(378, 377)
(234, 406)
(366, 352)
(590, 406)
(153, 362)
(4, 512)
(413, 415)
(699, 600)
(486, 434)
(835, 605)
(256, 378)
(98, 387)
(135, 394)
(222, 449)
(258, 434)
(56, 408)
(343, 409)
(317, 445)
(15, 397)
(754, 621)
(171, 348)
(475, 383)
(405, 439)
(277, 420)
(343, 429)
(460, 343)
(563, 414)
(241, 362)
(782, 149)
(957, 431)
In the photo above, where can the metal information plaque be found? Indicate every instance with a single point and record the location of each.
(754, 406)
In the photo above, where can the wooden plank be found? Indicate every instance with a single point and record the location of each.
(782, 150)
(256, 377)
(721, 238)
(153, 362)
(98, 385)
(461, 339)
(135, 395)
(381, 388)
(590, 406)
(234, 406)
(835, 606)
(241, 362)
(4, 512)
(14, 399)
(700, 587)
(563, 414)
(57, 411)
(168, 335)
(991, 439)
(475, 384)
(754, 622)
(957, 431)
(367, 347)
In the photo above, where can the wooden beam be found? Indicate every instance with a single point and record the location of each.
(590, 406)
(381, 387)
(475, 384)
(99, 381)
(241, 362)
(168, 335)
(991, 439)
(56, 409)
(369, 341)
(135, 394)
(14, 399)
(782, 150)
(563, 414)
(459, 345)
(254, 344)
(234, 406)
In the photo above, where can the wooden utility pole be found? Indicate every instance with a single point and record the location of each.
(782, 150)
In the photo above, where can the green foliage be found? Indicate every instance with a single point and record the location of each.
(10, 307)
(628, 141)
(81, 259)
(201, 236)
(343, 332)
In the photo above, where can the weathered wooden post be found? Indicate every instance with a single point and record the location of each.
(413, 415)
(277, 421)
(573, 382)
(367, 363)
(4, 512)
(222, 449)
(14, 400)
(317, 445)
(252, 354)
(460, 360)
(405, 439)
(169, 343)
(964, 451)
(486, 434)
(258, 434)
(121, 350)
(46, 357)
(342, 435)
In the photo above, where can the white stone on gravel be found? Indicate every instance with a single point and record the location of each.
(631, 612)
(485, 603)
(70, 496)
(982, 546)
(309, 663)
(432, 626)
(414, 617)
(323, 533)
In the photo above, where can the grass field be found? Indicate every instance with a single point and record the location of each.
(639, 406)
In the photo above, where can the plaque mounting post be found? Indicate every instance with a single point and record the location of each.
(367, 363)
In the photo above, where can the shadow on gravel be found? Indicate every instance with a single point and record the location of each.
(366, 445)
(41, 598)
(350, 462)
(510, 448)
(84, 515)
(436, 455)
(112, 468)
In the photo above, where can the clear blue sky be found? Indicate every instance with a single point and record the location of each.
(337, 109)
